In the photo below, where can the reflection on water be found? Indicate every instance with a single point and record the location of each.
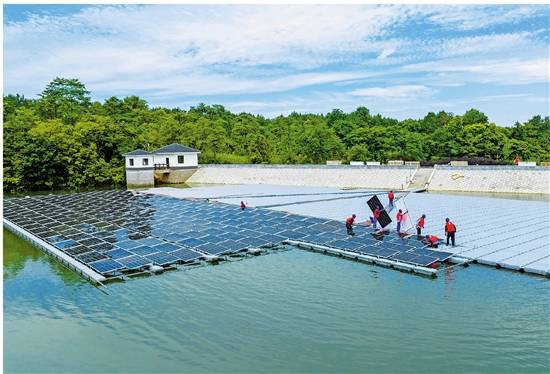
(18, 253)
(293, 311)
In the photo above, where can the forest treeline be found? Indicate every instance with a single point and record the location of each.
(63, 139)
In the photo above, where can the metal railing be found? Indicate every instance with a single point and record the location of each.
(161, 166)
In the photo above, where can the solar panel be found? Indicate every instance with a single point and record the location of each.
(384, 219)
(78, 250)
(253, 242)
(65, 244)
(135, 262)
(442, 256)
(102, 247)
(385, 253)
(91, 257)
(185, 254)
(191, 242)
(423, 260)
(118, 253)
(143, 250)
(128, 244)
(166, 247)
(405, 256)
(162, 258)
(90, 241)
(106, 266)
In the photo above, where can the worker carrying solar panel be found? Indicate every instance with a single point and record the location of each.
(349, 224)
(375, 216)
(450, 230)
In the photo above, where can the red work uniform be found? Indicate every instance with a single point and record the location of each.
(391, 196)
(433, 240)
(419, 226)
(349, 224)
(399, 217)
(450, 230)
(375, 216)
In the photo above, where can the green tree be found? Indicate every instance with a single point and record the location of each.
(64, 98)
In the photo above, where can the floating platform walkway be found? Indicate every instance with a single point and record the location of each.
(106, 235)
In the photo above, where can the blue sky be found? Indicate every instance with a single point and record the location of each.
(398, 60)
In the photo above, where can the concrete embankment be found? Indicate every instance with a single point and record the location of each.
(502, 179)
(341, 176)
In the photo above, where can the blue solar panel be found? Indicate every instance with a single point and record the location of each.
(191, 242)
(273, 239)
(135, 262)
(385, 253)
(232, 245)
(66, 244)
(106, 266)
(150, 241)
(212, 249)
(424, 260)
(185, 254)
(118, 253)
(288, 234)
(128, 244)
(91, 257)
(143, 250)
(370, 250)
(253, 242)
(166, 247)
(405, 256)
(442, 256)
(346, 244)
(162, 258)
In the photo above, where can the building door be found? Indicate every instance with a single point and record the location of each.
(167, 162)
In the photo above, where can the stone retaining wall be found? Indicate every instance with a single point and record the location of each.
(504, 179)
(384, 177)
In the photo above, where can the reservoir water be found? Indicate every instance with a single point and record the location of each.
(289, 311)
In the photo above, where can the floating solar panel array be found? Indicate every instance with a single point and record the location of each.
(116, 231)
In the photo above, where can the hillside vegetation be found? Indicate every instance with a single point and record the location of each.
(65, 140)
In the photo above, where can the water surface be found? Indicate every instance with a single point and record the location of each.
(284, 312)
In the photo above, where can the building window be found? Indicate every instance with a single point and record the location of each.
(180, 160)
(145, 161)
(131, 161)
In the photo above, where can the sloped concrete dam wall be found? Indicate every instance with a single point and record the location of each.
(383, 177)
(503, 179)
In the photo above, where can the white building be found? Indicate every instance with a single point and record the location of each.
(174, 163)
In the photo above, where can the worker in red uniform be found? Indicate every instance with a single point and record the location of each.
(243, 205)
(420, 225)
(349, 224)
(391, 196)
(400, 218)
(431, 240)
(450, 230)
(375, 216)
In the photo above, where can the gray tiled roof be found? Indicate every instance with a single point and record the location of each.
(138, 152)
(175, 148)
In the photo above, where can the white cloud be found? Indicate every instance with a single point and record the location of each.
(511, 71)
(401, 91)
(470, 17)
(363, 55)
